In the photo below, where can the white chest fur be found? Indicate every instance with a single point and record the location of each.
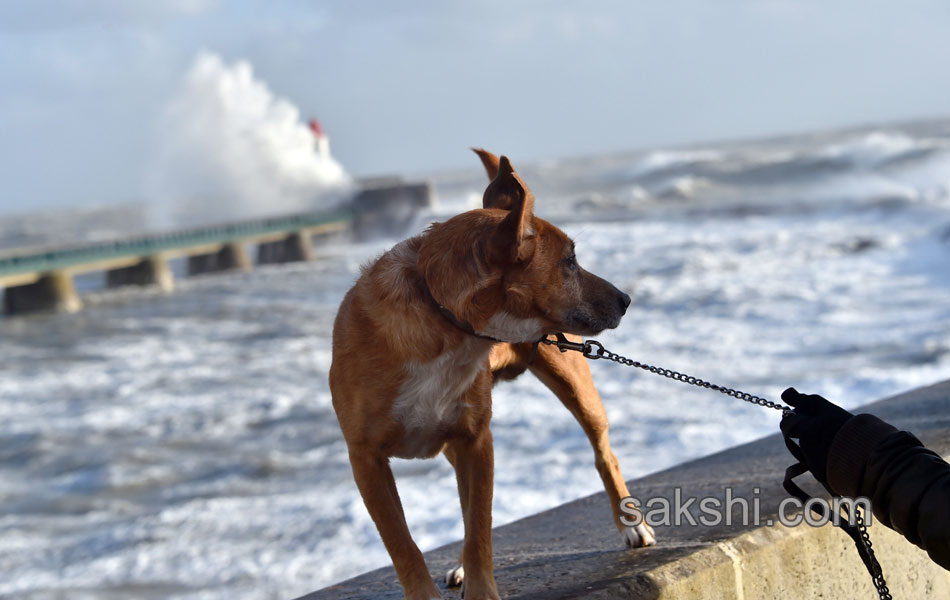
(430, 397)
(507, 327)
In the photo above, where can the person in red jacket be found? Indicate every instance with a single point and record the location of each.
(861, 455)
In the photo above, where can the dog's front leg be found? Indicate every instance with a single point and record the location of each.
(568, 376)
(375, 480)
(473, 458)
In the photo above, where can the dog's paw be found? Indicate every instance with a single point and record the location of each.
(489, 594)
(432, 594)
(454, 576)
(638, 537)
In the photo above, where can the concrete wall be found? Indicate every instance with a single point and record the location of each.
(387, 208)
(573, 551)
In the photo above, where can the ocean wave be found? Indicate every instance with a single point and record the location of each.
(877, 148)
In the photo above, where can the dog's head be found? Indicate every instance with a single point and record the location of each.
(511, 275)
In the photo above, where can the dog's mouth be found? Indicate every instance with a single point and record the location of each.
(601, 311)
(581, 321)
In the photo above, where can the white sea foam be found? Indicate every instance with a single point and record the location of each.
(228, 146)
(660, 160)
(875, 148)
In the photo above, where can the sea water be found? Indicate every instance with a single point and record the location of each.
(185, 446)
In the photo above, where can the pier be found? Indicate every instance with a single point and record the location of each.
(42, 279)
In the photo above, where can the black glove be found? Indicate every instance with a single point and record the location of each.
(814, 422)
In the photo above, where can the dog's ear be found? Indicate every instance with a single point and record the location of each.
(515, 236)
(492, 166)
(490, 161)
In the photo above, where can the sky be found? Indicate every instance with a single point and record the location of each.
(406, 87)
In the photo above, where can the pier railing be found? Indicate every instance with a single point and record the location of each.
(78, 256)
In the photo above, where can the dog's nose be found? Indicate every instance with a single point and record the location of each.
(624, 300)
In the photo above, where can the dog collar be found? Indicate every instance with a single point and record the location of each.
(467, 327)
(459, 323)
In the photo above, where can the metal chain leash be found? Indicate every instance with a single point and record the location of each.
(877, 573)
(594, 350)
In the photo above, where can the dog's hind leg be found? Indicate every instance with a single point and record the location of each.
(473, 459)
(375, 480)
(567, 374)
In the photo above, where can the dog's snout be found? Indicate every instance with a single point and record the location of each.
(603, 307)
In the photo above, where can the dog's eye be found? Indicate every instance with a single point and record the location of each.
(571, 262)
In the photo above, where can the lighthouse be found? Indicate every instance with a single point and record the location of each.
(322, 141)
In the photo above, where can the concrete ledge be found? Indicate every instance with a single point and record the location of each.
(573, 551)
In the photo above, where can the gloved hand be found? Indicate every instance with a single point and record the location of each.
(814, 422)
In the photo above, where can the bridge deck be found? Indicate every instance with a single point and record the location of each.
(26, 267)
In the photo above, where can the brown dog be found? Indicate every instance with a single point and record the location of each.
(418, 339)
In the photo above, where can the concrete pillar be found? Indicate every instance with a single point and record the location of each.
(231, 257)
(52, 292)
(152, 270)
(296, 247)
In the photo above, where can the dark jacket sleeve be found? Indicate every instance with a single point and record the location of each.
(908, 485)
